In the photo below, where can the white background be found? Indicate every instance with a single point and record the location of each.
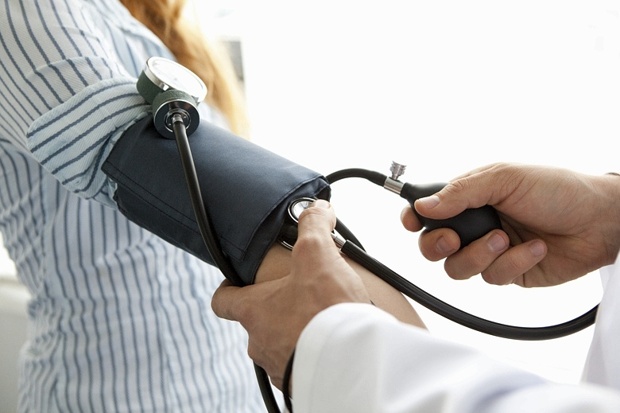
(444, 87)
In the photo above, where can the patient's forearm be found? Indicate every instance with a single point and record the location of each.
(277, 264)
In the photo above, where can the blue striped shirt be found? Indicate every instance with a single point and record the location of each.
(120, 320)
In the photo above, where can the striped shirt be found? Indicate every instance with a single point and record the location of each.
(119, 320)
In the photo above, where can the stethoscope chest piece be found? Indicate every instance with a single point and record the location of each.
(298, 206)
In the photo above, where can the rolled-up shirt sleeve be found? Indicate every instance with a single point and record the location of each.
(65, 93)
(73, 140)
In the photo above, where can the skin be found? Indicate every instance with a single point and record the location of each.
(291, 288)
(558, 224)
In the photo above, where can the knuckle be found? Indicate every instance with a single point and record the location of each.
(308, 241)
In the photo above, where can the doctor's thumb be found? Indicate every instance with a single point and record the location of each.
(451, 200)
(320, 216)
(226, 299)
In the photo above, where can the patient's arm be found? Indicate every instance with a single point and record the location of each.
(277, 262)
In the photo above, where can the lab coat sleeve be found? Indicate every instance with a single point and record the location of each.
(603, 362)
(357, 358)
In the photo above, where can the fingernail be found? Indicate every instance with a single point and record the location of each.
(443, 247)
(429, 202)
(537, 248)
(496, 243)
(321, 203)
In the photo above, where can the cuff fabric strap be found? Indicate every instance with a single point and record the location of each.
(246, 190)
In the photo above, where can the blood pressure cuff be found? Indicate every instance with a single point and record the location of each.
(246, 190)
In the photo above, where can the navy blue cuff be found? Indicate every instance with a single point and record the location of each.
(246, 190)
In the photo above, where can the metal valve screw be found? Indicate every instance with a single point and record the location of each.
(397, 170)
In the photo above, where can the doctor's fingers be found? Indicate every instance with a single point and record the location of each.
(438, 244)
(318, 265)
(409, 219)
(478, 257)
(488, 185)
(314, 240)
(231, 302)
(319, 218)
(508, 268)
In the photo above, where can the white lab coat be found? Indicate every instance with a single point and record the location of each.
(356, 358)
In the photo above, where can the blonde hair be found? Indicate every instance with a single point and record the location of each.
(190, 48)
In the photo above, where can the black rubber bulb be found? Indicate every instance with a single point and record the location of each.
(470, 224)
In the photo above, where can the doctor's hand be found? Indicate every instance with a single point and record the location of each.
(275, 312)
(558, 224)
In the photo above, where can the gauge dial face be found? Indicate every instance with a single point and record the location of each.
(167, 74)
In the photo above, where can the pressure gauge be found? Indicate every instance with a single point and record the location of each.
(161, 74)
(171, 89)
